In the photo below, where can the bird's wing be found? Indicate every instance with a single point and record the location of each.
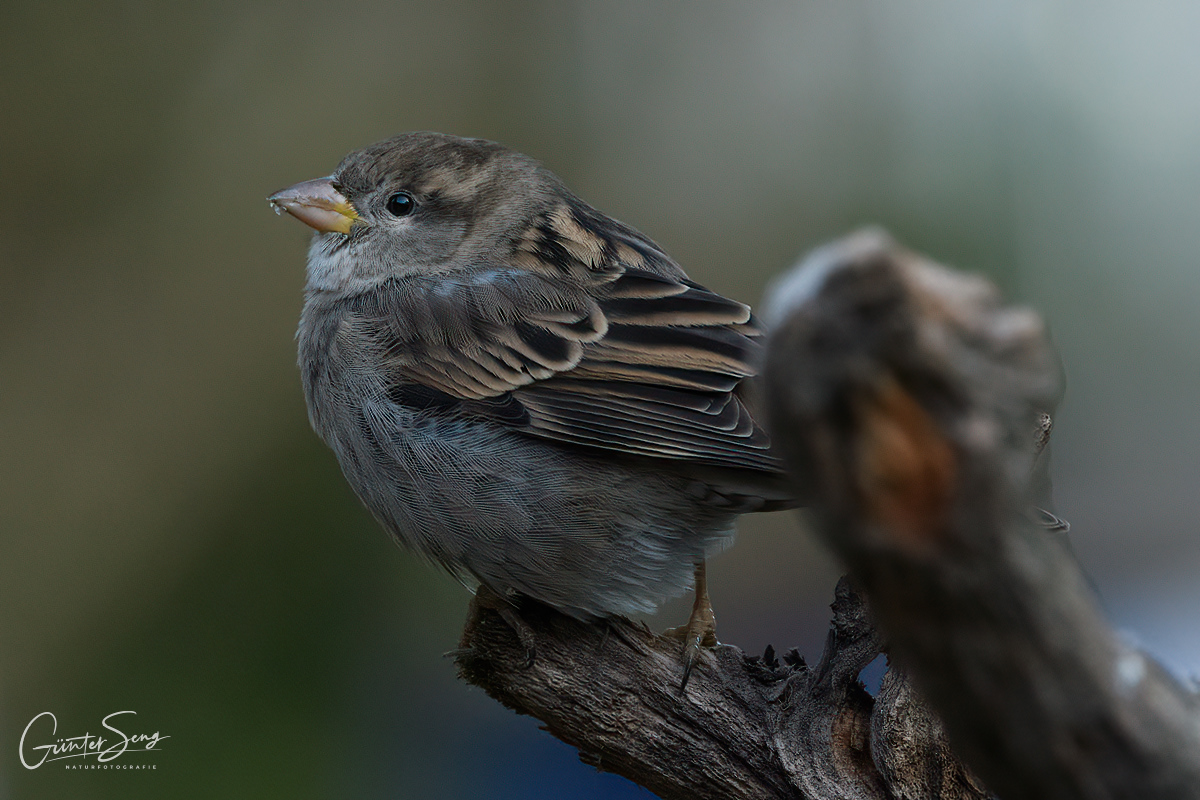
(600, 343)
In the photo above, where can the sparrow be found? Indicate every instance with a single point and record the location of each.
(524, 390)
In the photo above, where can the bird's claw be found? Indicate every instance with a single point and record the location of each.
(486, 598)
(701, 629)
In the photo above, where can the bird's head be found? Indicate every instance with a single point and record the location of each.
(417, 203)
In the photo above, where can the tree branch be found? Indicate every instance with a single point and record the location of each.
(912, 407)
(910, 397)
(747, 727)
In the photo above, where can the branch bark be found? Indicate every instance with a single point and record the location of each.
(747, 727)
(909, 403)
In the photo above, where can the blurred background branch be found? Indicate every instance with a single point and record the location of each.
(909, 396)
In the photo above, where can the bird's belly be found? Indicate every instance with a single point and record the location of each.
(589, 535)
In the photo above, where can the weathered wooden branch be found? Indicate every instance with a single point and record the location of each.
(747, 727)
(906, 399)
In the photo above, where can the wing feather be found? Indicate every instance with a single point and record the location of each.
(589, 336)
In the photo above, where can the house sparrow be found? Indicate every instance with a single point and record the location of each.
(524, 390)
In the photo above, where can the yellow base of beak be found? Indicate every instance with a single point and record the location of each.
(318, 205)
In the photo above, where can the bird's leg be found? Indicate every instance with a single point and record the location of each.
(489, 599)
(701, 629)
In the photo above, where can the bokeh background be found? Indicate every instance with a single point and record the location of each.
(175, 541)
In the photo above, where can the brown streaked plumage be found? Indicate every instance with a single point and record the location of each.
(523, 389)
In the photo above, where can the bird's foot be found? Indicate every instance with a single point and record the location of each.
(701, 628)
(486, 598)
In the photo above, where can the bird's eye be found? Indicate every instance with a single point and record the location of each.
(401, 204)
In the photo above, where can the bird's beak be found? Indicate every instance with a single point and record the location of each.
(317, 204)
